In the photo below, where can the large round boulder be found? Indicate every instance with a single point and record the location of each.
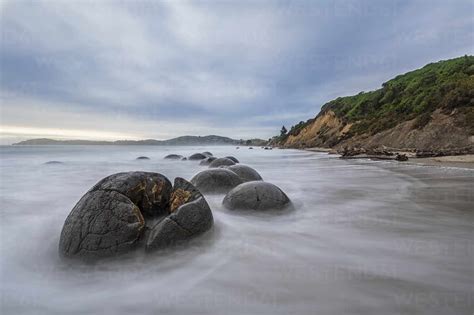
(197, 156)
(109, 218)
(221, 162)
(207, 153)
(173, 157)
(256, 195)
(190, 216)
(216, 181)
(207, 161)
(232, 158)
(246, 173)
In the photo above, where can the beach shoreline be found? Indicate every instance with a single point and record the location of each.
(458, 161)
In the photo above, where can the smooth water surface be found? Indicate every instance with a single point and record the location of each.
(365, 238)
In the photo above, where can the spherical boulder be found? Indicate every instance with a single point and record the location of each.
(232, 159)
(221, 162)
(142, 158)
(256, 195)
(216, 181)
(246, 173)
(197, 156)
(207, 153)
(190, 216)
(109, 218)
(207, 161)
(173, 157)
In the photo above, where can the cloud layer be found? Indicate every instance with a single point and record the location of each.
(148, 69)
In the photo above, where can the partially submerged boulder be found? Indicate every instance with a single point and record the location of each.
(246, 173)
(173, 157)
(256, 195)
(197, 156)
(233, 159)
(111, 217)
(218, 180)
(190, 216)
(207, 153)
(208, 160)
(221, 162)
(142, 158)
(103, 223)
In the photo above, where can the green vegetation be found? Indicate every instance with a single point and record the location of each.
(444, 85)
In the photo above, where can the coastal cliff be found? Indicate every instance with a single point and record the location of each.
(427, 110)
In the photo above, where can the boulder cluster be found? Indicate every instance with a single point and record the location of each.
(128, 210)
(119, 214)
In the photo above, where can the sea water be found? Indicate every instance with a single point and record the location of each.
(364, 237)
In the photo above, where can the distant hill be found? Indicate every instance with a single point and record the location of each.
(185, 140)
(429, 109)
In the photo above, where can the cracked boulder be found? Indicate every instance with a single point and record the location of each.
(110, 217)
(149, 191)
(256, 195)
(221, 162)
(215, 181)
(246, 173)
(190, 216)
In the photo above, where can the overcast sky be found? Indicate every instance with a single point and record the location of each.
(149, 69)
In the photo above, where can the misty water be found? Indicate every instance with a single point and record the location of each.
(365, 237)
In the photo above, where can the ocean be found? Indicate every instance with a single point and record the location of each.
(365, 237)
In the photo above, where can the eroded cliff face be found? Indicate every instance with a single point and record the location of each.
(325, 131)
(445, 131)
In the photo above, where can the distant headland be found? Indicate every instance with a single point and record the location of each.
(184, 140)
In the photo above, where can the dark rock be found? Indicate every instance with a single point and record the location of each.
(207, 153)
(232, 159)
(256, 195)
(217, 180)
(109, 219)
(190, 216)
(174, 157)
(221, 162)
(250, 148)
(197, 156)
(401, 157)
(103, 223)
(184, 159)
(143, 158)
(149, 191)
(208, 160)
(246, 173)
(53, 162)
